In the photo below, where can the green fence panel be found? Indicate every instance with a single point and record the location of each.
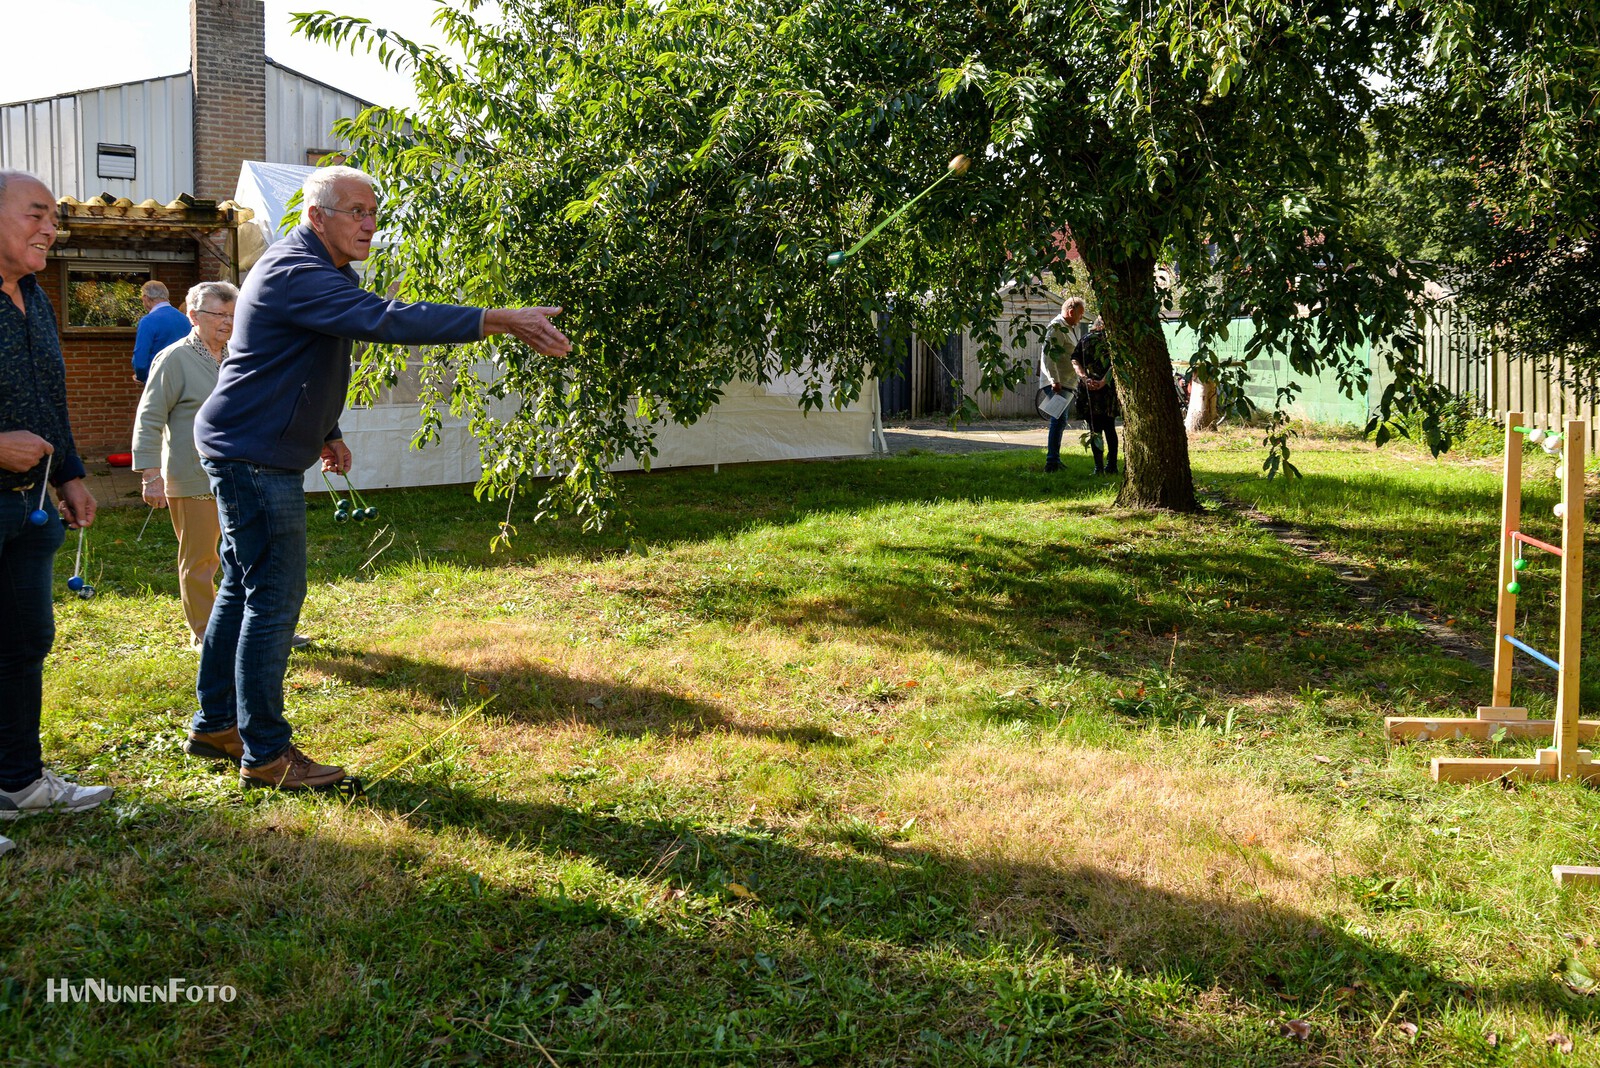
(1320, 398)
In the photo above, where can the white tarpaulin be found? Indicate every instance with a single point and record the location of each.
(264, 188)
(753, 423)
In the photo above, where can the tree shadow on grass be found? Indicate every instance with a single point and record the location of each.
(351, 940)
(1274, 959)
(529, 692)
(1002, 599)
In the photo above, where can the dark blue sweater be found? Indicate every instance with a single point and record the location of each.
(281, 389)
(33, 385)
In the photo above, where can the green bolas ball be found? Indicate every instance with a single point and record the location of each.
(372, 513)
(341, 516)
(343, 504)
(1514, 587)
(1520, 565)
(359, 515)
(836, 259)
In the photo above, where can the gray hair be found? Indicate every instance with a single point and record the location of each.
(318, 188)
(225, 292)
(154, 290)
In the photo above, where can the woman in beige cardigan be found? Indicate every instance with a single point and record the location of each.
(181, 378)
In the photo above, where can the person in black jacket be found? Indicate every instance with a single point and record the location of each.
(1096, 401)
(35, 438)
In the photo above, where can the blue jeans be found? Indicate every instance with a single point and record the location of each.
(246, 649)
(1052, 441)
(27, 630)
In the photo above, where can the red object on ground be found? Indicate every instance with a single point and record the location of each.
(120, 459)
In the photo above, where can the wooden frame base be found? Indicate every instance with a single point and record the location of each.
(1542, 765)
(1575, 875)
(1422, 728)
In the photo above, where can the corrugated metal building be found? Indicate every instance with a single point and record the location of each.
(136, 140)
(157, 139)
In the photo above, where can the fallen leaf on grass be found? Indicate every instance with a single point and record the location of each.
(1560, 1041)
(1575, 977)
(1299, 1030)
(744, 893)
(1492, 1039)
(1407, 1028)
(1321, 759)
(1583, 941)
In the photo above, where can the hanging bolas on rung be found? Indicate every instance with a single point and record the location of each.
(1552, 443)
(1560, 510)
(1520, 563)
(1535, 435)
(1513, 588)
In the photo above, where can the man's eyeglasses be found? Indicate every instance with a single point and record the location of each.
(360, 215)
(220, 315)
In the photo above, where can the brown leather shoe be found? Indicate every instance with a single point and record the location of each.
(215, 745)
(293, 771)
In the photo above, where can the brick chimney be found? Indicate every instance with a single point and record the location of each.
(228, 67)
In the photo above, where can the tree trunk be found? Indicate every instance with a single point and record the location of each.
(1202, 414)
(1154, 445)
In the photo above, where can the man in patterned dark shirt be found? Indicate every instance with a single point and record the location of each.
(33, 426)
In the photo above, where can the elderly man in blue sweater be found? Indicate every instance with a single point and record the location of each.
(275, 412)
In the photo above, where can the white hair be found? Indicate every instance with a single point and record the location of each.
(223, 291)
(318, 188)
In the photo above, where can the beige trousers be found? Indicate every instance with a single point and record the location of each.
(195, 522)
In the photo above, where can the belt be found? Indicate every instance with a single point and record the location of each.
(23, 489)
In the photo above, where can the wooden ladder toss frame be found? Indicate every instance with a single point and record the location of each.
(1563, 759)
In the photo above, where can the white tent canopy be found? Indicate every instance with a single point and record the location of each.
(754, 422)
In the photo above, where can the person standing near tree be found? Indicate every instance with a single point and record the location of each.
(33, 429)
(1096, 401)
(1061, 337)
(275, 412)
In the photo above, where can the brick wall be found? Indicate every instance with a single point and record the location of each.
(227, 41)
(101, 392)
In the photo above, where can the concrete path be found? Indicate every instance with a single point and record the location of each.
(937, 435)
(113, 487)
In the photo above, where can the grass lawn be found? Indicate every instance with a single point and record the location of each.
(925, 760)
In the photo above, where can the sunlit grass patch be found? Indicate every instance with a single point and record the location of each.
(909, 760)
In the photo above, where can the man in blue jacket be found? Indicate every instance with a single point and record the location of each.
(162, 325)
(274, 412)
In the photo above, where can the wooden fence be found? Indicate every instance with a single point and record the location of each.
(1469, 364)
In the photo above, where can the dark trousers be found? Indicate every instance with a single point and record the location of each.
(1105, 427)
(27, 630)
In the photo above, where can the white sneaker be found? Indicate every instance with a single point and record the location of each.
(299, 641)
(6, 845)
(50, 792)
